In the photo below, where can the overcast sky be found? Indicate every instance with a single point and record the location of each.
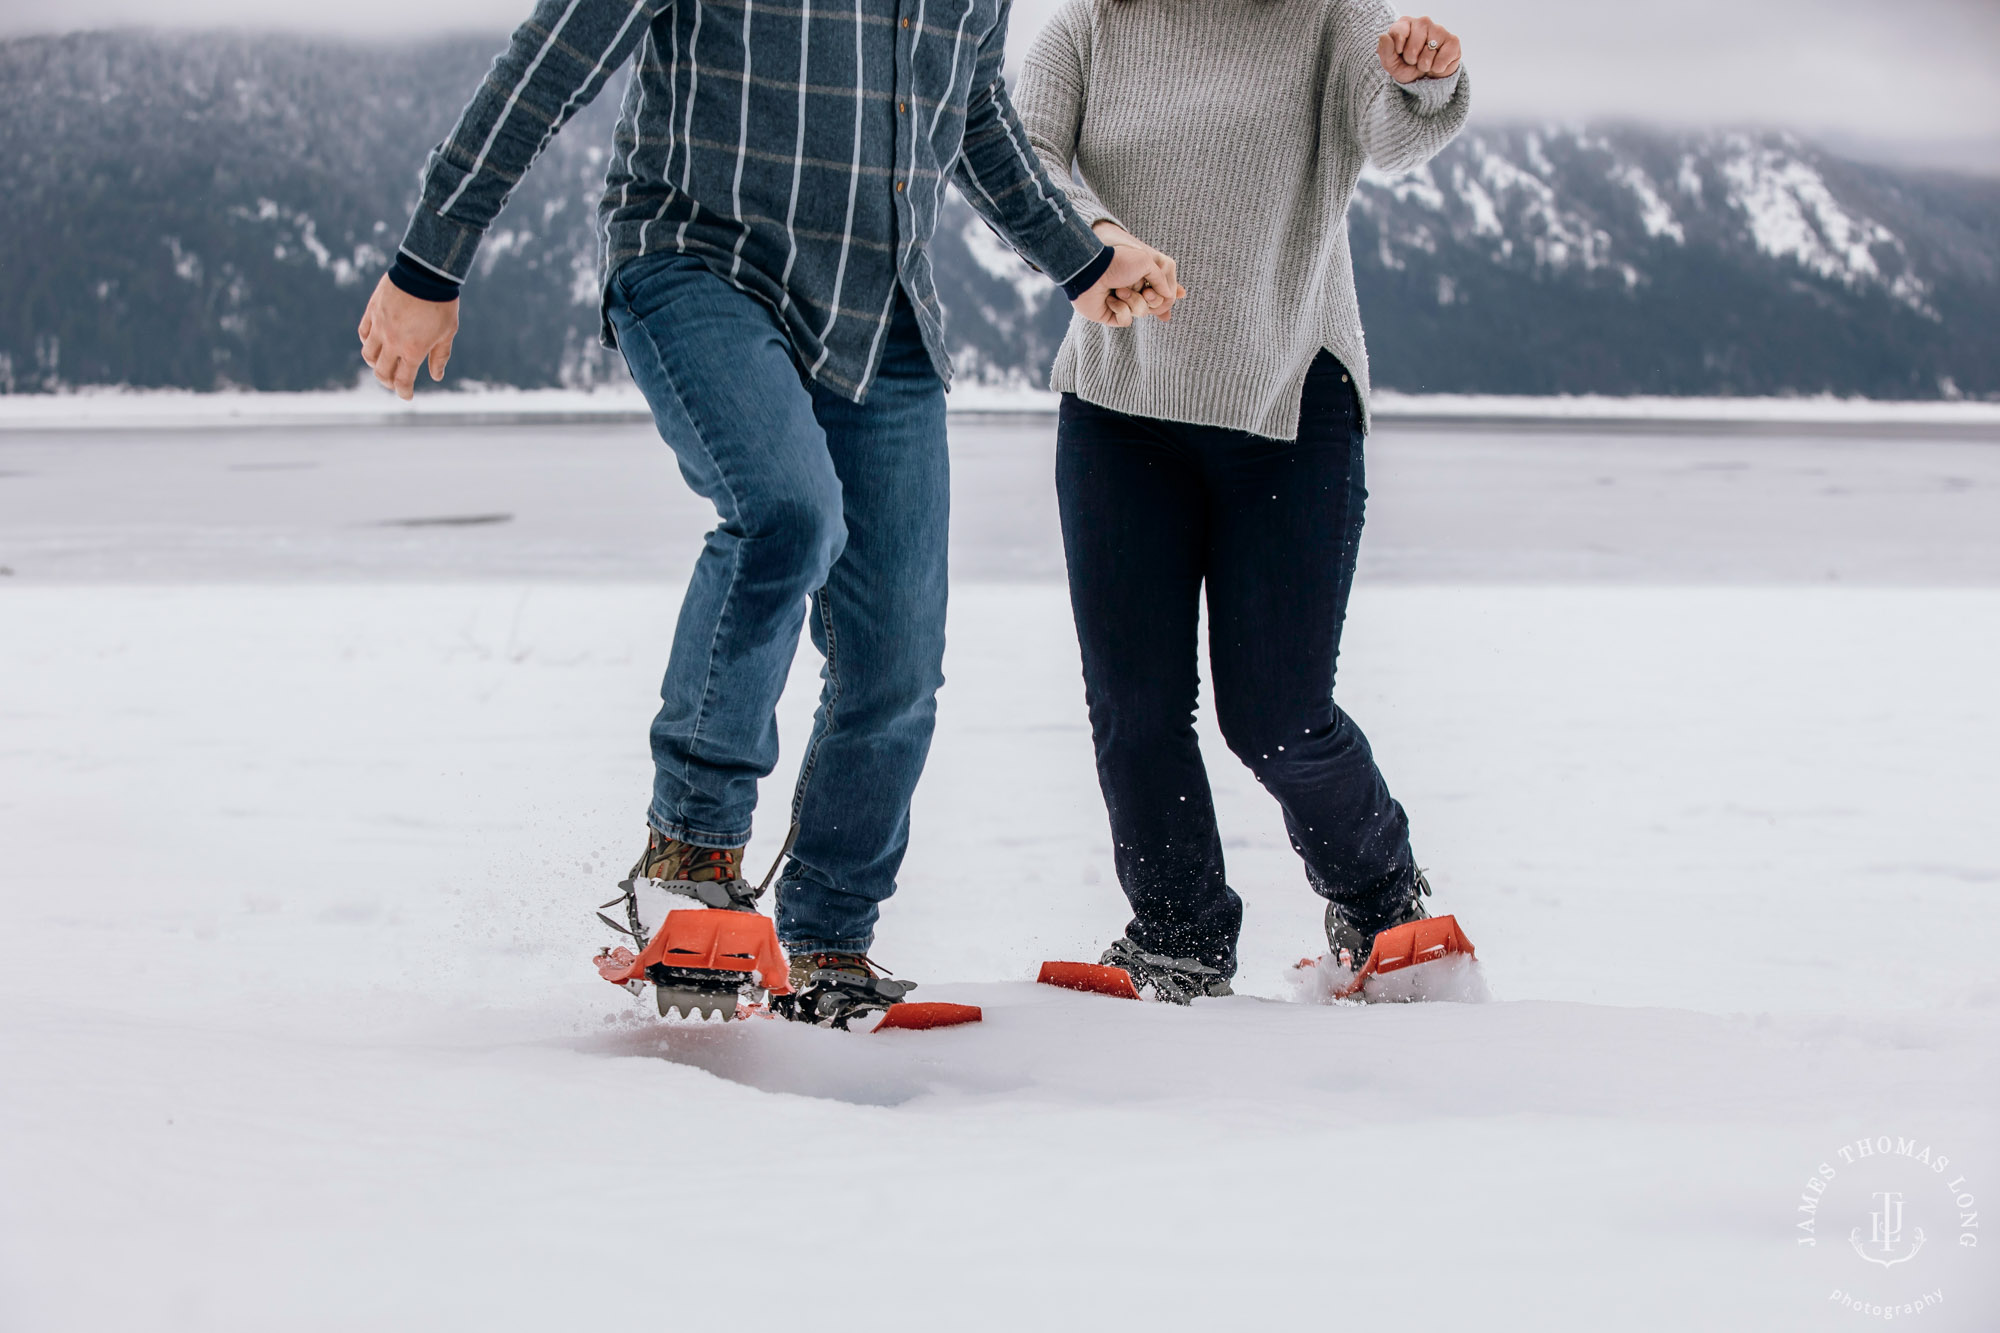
(1870, 74)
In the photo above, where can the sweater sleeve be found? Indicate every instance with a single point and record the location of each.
(1050, 97)
(1398, 126)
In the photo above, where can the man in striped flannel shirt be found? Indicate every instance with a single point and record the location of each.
(777, 175)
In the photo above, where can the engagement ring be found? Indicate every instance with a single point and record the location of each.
(1432, 45)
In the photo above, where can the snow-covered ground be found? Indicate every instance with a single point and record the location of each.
(298, 874)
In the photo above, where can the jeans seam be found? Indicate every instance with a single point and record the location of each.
(1350, 537)
(736, 557)
(825, 608)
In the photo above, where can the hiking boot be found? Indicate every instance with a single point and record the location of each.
(712, 876)
(830, 987)
(669, 870)
(671, 859)
(1349, 945)
(1175, 980)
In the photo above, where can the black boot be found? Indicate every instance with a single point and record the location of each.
(1175, 980)
(1349, 944)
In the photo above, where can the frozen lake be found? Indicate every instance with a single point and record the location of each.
(319, 746)
(1469, 503)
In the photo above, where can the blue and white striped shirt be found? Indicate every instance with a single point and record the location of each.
(800, 149)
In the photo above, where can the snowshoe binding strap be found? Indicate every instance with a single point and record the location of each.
(724, 895)
(717, 895)
(830, 989)
(1174, 980)
(711, 876)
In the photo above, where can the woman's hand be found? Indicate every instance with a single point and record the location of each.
(1144, 281)
(1415, 49)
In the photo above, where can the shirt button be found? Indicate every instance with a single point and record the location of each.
(901, 107)
(899, 187)
(906, 23)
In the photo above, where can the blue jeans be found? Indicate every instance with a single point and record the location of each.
(824, 504)
(1153, 514)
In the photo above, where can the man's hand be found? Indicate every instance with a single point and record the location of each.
(1415, 49)
(1140, 281)
(399, 333)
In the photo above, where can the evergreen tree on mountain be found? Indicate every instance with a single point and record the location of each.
(209, 210)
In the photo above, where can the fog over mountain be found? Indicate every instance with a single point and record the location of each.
(210, 211)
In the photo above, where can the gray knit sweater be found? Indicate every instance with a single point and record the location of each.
(1229, 134)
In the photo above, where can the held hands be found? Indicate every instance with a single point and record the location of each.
(1140, 281)
(1415, 49)
(399, 333)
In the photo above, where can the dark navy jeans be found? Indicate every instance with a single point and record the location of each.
(1153, 512)
(824, 504)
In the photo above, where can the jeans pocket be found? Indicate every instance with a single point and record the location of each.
(650, 283)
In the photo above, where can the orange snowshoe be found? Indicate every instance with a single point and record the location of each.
(1090, 978)
(1418, 938)
(722, 958)
(1425, 940)
(834, 988)
(703, 961)
(1127, 972)
(716, 956)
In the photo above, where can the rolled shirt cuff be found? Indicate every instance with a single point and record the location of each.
(1063, 252)
(421, 282)
(437, 243)
(1086, 277)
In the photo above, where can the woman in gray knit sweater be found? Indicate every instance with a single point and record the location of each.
(1222, 449)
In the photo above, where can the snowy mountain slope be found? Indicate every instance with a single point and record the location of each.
(213, 210)
(208, 211)
(1545, 260)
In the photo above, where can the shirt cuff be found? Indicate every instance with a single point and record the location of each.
(421, 282)
(439, 245)
(1087, 276)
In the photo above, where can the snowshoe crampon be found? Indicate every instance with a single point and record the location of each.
(1427, 940)
(703, 961)
(839, 1006)
(835, 996)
